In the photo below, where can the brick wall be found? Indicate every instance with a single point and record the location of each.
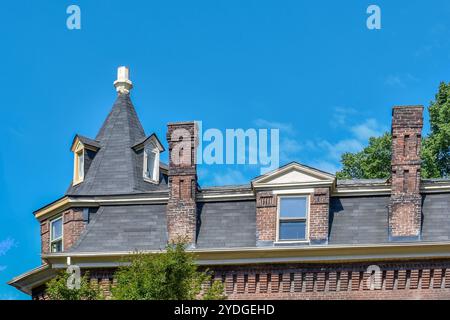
(397, 280)
(181, 207)
(412, 280)
(73, 226)
(266, 217)
(405, 208)
(45, 236)
(319, 216)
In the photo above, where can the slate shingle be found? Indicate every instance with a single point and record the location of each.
(125, 228)
(227, 224)
(117, 168)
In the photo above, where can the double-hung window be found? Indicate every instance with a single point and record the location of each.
(293, 218)
(151, 164)
(56, 235)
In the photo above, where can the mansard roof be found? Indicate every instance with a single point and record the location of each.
(116, 168)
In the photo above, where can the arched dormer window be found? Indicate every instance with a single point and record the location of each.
(151, 163)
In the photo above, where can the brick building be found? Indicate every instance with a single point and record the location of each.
(293, 233)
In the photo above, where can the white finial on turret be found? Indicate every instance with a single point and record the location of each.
(123, 83)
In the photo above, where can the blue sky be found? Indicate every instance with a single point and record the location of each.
(310, 68)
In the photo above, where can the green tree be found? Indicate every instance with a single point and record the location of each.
(436, 147)
(57, 289)
(172, 275)
(374, 161)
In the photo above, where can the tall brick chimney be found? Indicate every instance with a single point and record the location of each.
(182, 208)
(405, 209)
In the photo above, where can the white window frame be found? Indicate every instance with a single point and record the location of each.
(58, 239)
(78, 171)
(155, 177)
(306, 219)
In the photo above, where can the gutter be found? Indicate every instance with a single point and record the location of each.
(306, 254)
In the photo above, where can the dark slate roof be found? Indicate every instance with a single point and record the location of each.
(436, 217)
(117, 168)
(125, 228)
(359, 220)
(232, 224)
(227, 224)
(360, 182)
(88, 141)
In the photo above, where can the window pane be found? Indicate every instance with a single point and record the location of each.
(293, 230)
(81, 165)
(293, 207)
(57, 229)
(151, 165)
(57, 246)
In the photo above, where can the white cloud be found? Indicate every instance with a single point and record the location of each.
(340, 116)
(6, 245)
(400, 80)
(369, 128)
(287, 128)
(335, 150)
(326, 166)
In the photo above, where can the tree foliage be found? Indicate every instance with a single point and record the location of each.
(374, 161)
(436, 147)
(164, 276)
(57, 289)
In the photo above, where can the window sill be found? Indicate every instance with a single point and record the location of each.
(151, 181)
(291, 243)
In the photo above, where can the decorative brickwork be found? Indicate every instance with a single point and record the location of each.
(182, 208)
(405, 209)
(45, 236)
(266, 217)
(396, 280)
(74, 225)
(319, 216)
(412, 280)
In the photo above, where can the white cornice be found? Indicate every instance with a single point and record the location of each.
(255, 255)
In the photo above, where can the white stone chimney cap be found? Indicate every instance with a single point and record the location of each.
(123, 83)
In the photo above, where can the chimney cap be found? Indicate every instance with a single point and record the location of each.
(123, 83)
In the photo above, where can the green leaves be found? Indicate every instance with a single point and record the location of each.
(171, 275)
(436, 147)
(374, 161)
(57, 289)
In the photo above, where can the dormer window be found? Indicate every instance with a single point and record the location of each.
(78, 174)
(84, 151)
(148, 150)
(151, 163)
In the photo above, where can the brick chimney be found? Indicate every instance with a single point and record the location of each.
(182, 208)
(405, 209)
